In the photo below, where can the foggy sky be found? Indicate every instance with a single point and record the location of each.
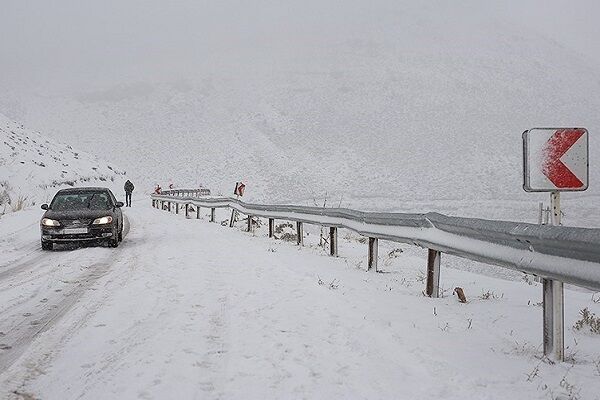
(68, 45)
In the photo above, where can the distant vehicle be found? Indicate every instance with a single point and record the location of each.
(87, 214)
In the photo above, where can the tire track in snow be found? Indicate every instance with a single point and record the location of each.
(20, 336)
(216, 356)
(19, 330)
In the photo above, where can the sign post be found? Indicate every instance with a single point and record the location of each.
(555, 160)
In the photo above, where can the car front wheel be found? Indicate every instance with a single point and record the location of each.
(114, 241)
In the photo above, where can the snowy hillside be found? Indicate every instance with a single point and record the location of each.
(32, 166)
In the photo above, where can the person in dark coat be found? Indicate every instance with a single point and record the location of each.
(128, 190)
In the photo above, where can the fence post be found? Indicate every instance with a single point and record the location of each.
(271, 227)
(212, 215)
(333, 241)
(299, 233)
(554, 319)
(433, 273)
(373, 253)
(197, 212)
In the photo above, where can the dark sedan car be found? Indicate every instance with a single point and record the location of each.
(89, 214)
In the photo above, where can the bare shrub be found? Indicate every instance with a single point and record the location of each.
(18, 204)
(588, 319)
(529, 279)
(279, 228)
(286, 232)
(533, 374)
(490, 295)
(4, 196)
(256, 222)
(570, 391)
(334, 284)
(395, 253)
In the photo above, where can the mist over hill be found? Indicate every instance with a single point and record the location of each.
(410, 104)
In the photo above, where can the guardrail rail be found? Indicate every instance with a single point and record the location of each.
(557, 254)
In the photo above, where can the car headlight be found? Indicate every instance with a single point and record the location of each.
(103, 220)
(50, 222)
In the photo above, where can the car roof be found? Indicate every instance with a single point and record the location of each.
(84, 189)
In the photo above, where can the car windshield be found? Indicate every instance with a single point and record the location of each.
(80, 201)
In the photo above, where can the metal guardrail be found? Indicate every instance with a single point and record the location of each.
(557, 254)
(186, 192)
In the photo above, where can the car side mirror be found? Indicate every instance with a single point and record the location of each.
(45, 206)
(120, 204)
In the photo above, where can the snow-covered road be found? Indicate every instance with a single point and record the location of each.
(186, 309)
(39, 287)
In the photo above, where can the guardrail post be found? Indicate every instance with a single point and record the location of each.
(299, 233)
(249, 223)
(212, 215)
(176, 208)
(271, 227)
(197, 212)
(232, 219)
(169, 204)
(433, 273)
(187, 210)
(373, 253)
(333, 241)
(554, 319)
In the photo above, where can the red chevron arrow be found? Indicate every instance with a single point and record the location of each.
(554, 149)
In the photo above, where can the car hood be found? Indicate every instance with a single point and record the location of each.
(78, 214)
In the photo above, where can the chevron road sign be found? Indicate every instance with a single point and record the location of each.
(555, 159)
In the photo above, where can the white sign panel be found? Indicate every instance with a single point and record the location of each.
(555, 159)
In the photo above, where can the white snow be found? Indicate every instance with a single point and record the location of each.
(190, 309)
(386, 105)
(33, 167)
